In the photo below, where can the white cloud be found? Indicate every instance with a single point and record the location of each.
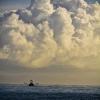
(41, 35)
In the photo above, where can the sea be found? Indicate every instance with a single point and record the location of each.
(55, 92)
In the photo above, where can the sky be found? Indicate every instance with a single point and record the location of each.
(13, 4)
(50, 45)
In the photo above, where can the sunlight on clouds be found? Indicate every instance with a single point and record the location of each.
(42, 34)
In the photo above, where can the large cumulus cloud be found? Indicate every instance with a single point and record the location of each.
(63, 33)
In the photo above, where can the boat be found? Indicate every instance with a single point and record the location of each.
(31, 83)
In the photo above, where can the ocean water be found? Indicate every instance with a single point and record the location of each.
(22, 92)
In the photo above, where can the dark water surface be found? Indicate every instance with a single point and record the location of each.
(21, 92)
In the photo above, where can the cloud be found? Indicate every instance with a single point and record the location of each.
(43, 35)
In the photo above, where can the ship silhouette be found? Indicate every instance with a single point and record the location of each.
(31, 83)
